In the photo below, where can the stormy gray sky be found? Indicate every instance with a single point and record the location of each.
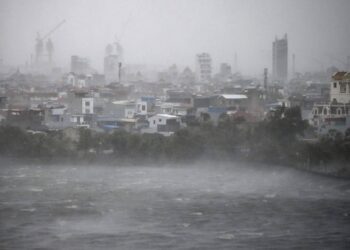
(163, 32)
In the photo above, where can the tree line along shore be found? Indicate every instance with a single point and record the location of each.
(279, 139)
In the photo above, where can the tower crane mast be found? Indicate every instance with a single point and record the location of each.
(49, 45)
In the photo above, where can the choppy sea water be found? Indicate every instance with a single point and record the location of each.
(187, 207)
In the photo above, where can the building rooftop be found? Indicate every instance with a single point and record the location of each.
(128, 120)
(347, 76)
(124, 102)
(341, 75)
(166, 116)
(234, 96)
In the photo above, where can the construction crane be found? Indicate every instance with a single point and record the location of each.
(49, 45)
(54, 29)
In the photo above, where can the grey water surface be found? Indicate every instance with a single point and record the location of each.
(176, 207)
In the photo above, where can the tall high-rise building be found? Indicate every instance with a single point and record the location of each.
(203, 68)
(113, 62)
(280, 59)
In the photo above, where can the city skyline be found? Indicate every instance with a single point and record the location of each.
(168, 32)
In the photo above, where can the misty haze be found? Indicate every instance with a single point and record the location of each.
(195, 124)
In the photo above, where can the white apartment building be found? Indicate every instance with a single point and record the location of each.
(203, 68)
(87, 104)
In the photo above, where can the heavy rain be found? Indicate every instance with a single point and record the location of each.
(174, 124)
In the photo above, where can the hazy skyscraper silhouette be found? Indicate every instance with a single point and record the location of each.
(280, 59)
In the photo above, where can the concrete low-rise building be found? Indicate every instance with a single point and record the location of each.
(236, 101)
(145, 105)
(220, 104)
(163, 123)
(174, 108)
(56, 117)
(340, 88)
(326, 117)
(334, 115)
(80, 120)
(123, 109)
(80, 108)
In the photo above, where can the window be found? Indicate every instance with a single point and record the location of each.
(335, 85)
(154, 121)
(160, 120)
(324, 111)
(143, 107)
(342, 88)
(87, 103)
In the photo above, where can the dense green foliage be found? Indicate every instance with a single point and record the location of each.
(278, 139)
(14, 142)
